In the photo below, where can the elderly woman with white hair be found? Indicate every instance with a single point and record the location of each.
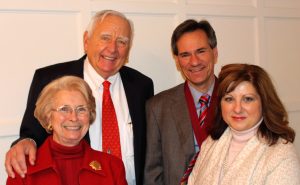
(66, 108)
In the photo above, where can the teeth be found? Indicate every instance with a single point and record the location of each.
(108, 58)
(197, 69)
(72, 127)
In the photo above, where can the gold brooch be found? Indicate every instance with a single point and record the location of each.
(95, 165)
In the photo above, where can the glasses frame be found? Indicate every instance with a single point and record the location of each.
(67, 110)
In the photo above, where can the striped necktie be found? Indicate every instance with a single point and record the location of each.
(204, 99)
(189, 169)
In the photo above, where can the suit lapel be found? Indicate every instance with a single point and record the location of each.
(182, 120)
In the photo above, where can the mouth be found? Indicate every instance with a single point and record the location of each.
(73, 128)
(197, 69)
(109, 58)
(238, 117)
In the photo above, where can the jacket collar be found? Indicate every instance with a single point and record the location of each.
(45, 161)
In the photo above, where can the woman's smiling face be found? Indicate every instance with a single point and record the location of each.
(242, 108)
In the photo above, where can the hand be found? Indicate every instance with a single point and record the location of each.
(15, 157)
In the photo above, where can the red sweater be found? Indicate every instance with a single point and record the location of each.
(79, 165)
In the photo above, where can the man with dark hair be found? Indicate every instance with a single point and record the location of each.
(178, 118)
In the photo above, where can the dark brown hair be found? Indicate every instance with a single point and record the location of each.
(191, 25)
(275, 117)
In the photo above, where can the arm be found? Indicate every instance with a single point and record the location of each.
(15, 157)
(30, 128)
(153, 167)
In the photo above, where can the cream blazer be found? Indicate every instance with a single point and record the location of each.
(256, 164)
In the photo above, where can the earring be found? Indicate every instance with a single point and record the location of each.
(49, 127)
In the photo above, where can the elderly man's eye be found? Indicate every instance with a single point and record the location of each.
(122, 42)
(105, 37)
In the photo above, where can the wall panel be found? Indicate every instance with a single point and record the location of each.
(292, 4)
(235, 3)
(282, 52)
(151, 49)
(30, 40)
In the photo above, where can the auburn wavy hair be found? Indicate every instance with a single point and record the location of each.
(275, 117)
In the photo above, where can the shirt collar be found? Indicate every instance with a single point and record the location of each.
(196, 94)
(96, 79)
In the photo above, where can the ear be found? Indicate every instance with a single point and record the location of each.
(216, 54)
(176, 58)
(85, 41)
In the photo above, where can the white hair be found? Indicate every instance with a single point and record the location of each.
(100, 16)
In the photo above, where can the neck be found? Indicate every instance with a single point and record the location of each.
(202, 87)
(245, 135)
(238, 141)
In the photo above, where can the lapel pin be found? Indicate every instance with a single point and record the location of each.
(95, 165)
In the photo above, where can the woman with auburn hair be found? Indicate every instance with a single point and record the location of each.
(251, 141)
(65, 109)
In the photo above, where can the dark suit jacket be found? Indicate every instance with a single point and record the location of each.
(138, 88)
(170, 138)
(110, 172)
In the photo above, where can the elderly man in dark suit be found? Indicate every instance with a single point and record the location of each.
(107, 42)
(178, 119)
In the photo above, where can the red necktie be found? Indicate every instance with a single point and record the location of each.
(110, 129)
(204, 99)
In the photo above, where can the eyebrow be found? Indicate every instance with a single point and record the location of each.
(123, 38)
(184, 53)
(119, 37)
(189, 52)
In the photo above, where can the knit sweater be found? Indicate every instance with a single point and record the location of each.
(256, 164)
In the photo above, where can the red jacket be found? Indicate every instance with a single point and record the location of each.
(98, 168)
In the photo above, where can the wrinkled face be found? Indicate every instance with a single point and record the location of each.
(107, 47)
(241, 108)
(196, 59)
(69, 127)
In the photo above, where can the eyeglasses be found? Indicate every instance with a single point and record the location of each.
(67, 110)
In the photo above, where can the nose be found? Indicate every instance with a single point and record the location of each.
(194, 60)
(73, 116)
(237, 107)
(112, 46)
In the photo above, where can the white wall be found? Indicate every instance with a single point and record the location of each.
(38, 33)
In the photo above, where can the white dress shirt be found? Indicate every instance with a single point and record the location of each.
(124, 120)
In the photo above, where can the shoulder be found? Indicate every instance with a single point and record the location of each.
(281, 151)
(133, 74)
(281, 163)
(63, 66)
(281, 155)
(43, 76)
(210, 144)
(136, 83)
(176, 92)
(207, 144)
